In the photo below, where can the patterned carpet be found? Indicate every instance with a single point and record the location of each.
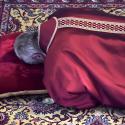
(17, 15)
(21, 15)
(38, 110)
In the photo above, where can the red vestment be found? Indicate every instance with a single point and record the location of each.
(85, 68)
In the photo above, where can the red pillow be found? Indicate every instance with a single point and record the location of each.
(15, 75)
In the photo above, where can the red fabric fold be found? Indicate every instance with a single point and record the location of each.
(46, 32)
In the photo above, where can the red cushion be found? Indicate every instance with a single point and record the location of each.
(15, 75)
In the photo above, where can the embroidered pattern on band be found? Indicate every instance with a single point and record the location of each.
(93, 25)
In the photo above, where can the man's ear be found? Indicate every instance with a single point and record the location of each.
(38, 56)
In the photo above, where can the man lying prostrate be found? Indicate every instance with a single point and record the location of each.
(84, 57)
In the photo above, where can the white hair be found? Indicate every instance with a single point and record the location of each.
(27, 49)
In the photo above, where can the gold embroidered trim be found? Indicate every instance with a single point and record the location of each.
(93, 25)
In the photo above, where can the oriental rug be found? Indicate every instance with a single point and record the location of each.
(22, 15)
(37, 110)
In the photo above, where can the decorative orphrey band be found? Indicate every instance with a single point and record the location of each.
(92, 25)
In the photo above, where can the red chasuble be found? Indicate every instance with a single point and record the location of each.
(85, 61)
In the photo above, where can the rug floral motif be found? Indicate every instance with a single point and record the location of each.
(23, 15)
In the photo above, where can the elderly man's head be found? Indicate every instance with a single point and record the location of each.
(27, 49)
